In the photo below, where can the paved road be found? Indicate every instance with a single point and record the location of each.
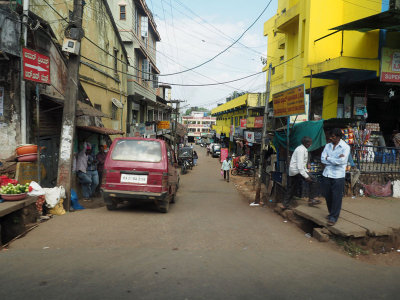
(211, 245)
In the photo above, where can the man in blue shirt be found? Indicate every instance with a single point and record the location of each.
(335, 157)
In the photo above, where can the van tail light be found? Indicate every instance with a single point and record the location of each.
(103, 177)
(164, 181)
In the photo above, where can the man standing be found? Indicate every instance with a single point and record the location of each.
(298, 173)
(101, 158)
(226, 166)
(335, 157)
(88, 179)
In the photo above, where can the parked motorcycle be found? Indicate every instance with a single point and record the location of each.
(243, 169)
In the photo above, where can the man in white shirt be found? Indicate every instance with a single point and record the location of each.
(335, 157)
(298, 173)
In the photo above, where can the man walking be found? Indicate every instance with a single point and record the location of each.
(226, 166)
(298, 173)
(335, 157)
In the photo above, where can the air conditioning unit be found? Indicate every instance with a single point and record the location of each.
(71, 46)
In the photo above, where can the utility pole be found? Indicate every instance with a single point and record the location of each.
(264, 136)
(309, 98)
(74, 30)
(177, 102)
(25, 13)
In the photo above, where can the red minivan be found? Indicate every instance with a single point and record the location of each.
(139, 168)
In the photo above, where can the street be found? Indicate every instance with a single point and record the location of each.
(211, 245)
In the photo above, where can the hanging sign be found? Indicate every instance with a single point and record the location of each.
(163, 125)
(258, 122)
(249, 136)
(243, 123)
(390, 65)
(36, 66)
(224, 154)
(289, 102)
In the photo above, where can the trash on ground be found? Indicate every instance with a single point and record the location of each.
(308, 235)
(254, 204)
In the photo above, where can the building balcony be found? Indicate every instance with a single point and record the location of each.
(142, 89)
(287, 17)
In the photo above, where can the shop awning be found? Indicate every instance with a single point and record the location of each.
(312, 129)
(388, 20)
(237, 102)
(84, 109)
(100, 130)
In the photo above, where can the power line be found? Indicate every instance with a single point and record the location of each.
(226, 49)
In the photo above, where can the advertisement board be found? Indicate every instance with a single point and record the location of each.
(163, 125)
(289, 102)
(243, 123)
(258, 122)
(224, 154)
(250, 122)
(249, 136)
(390, 65)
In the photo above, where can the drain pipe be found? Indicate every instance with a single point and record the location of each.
(25, 13)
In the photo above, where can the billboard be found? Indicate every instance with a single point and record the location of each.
(289, 102)
(390, 65)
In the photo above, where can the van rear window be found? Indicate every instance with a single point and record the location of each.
(137, 150)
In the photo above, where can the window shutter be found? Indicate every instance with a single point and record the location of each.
(145, 27)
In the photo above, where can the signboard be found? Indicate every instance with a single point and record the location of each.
(249, 136)
(304, 117)
(224, 154)
(36, 66)
(250, 122)
(390, 65)
(258, 122)
(243, 123)
(163, 125)
(289, 102)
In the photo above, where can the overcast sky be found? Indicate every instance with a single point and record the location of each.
(193, 31)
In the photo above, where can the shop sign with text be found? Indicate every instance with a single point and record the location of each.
(289, 102)
(250, 122)
(243, 123)
(36, 66)
(249, 136)
(390, 65)
(258, 122)
(163, 125)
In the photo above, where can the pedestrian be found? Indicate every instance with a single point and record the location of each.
(87, 178)
(298, 174)
(335, 157)
(226, 166)
(195, 157)
(101, 158)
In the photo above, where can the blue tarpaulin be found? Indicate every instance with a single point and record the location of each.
(312, 129)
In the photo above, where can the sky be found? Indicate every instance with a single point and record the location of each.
(194, 31)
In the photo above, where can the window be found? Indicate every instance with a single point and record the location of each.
(273, 71)
(114, 112)
(146, 68)
(134, 150)
(116, 62)
(97, 106)
(136, 21)
(122, 12)
(282, 58)
(144, 28)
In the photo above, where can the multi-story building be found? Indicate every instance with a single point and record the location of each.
(139, 32)
(237, 116)
(198, 124)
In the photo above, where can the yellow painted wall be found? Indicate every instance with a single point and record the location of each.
(299, 23)
(100, 82)
(329, 107)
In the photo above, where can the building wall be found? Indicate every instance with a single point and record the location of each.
(101, 51)
(293, 35)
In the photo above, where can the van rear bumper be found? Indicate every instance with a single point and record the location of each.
(109, 195)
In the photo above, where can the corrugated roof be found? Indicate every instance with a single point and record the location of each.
(101, 130)
(84, 109)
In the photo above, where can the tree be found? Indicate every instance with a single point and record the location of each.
(195, 108)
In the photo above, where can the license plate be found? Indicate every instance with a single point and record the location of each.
(130, 178)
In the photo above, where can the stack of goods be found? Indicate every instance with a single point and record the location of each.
(314, 167)
(14, 192)
(27, 153)
(361, 137)
(372, 126)
(348, 135)
(4, 180)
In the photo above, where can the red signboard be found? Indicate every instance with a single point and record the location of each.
(224, 153)
(258, 122)
(243, 123)
(36, 66)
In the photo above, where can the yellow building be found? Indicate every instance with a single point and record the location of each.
(235, 113)
(303, 49)
(104, 59)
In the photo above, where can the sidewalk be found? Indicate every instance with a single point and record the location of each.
(360, 216)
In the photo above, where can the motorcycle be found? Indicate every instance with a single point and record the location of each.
(185, 166)
(243, 169)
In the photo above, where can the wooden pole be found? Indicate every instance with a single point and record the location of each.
(264, 136)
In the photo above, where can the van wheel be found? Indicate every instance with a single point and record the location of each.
(112, 206)
(163, 207)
